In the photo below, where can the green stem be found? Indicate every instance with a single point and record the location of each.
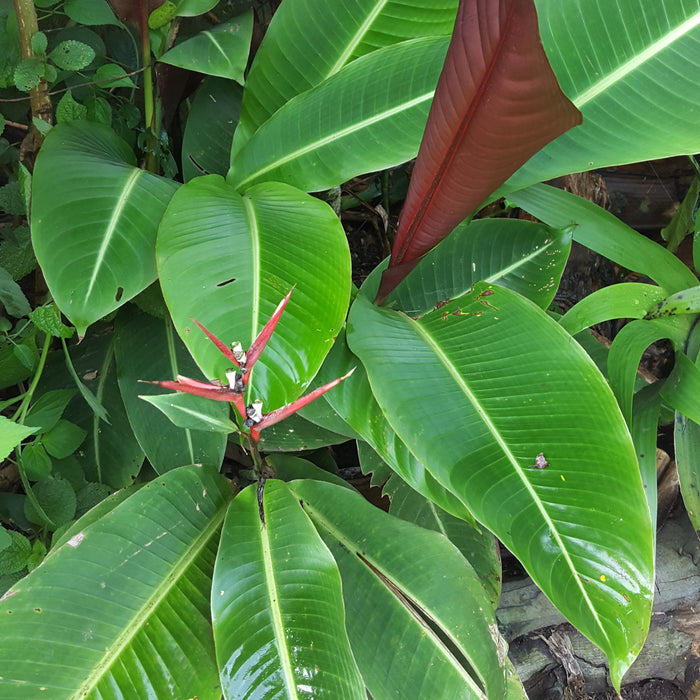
(151, 162)
(21, 411)
(28, 490)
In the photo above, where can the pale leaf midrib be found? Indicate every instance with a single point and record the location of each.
(149, 607)
(501, 442)
(632, 64)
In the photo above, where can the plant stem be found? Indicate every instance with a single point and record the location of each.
(39, 99)
(21, 411)
(150, 162)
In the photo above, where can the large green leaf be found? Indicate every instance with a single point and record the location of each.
(526, 257)
(604, 233)
(320, 139)
(122, 608)
(277, 608)
(354, 402)
(431, 631)
(221, 50)
(308, 41)
(228, 260)
(165, 445)
(481, 399)
(629, 66)
(94, 220)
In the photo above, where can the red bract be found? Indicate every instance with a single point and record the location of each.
(238, 380)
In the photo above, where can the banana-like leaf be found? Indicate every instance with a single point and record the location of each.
(685, 302)
(165, 445)
(354, 402)
(496, 104)
(277, 607)
(687, 443)
(624, 300)
(682, 388)
(94, 220)
(211, 121)
(122, 608)
(222, 50)
(604, 233)
(308, 41)
(296, 433)
(228, 260)
(478, 545)
(629, 66)
(626, 353)
(430, 634)
(320, 139)
(512, 417)
(526, 257)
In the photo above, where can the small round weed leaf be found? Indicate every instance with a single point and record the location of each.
(68, 109)
(2, 123)
(37, 555)
(63, 439)
(45, 319)
(116, 76)
(39, 43)
(56, 497)
(36, 462)
(72, 55)
(5, 538)
(28, 73)
(90, 12)
(14, 558)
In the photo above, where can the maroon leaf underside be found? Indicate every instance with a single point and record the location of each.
(496, 104)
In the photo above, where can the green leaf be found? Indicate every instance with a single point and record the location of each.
(46, 411)
(5, 538)
(90, 12)
(94, 227)
(16, 252)
(63, 439)
(124, 604)
(290, 468)
(193, 412)
(221, 50)
(354, 402)
(211, 122)
(383, 98)
(90, 495)
(28, 73)
(526, 257)
(478, 546)
(685, 302)
(165, 445)
(477, 401)
(445, 621)
(68, 109)
(687, 443)
(637, 95)
(39, 43)
(14, 557)
(12, 434)
(277, 608)
(47, 320)
(162, 15)
(683, 222)
(192, 8)
(37, 556)
(297, 54)
(604, 233)
(227, 261)
(682, 388)
(622, 300)
(372, 463)
(626, 353)
(57, 498)
(72, 55)
(35, 461)
(12, 297)
(114, 76)
(296, 433)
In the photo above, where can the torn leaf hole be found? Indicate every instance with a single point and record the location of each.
(224, 283)
(120, 293)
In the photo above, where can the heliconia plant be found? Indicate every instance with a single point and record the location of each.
(481, 415)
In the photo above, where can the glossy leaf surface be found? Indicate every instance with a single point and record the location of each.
(122, 608)
(277, 607)
(228, 260)
(165, 445)
(355, 403)
(687, 443)
(221, 50)
(418, 642)
(604, 233)
(628, 65)
(496, 104)
(466, 395)
(94, 220)
(682, 387)
(525, 257)
(337, 33)
(319, 140)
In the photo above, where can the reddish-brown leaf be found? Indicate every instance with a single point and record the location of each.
(496, 104)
